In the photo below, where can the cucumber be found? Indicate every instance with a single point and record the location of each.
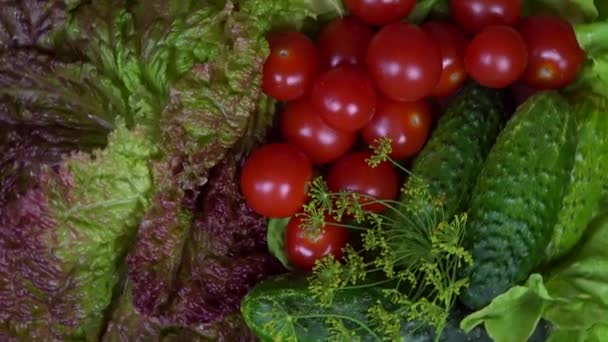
(452, 158)
(516, 201)
(582, 201)
(283, 309)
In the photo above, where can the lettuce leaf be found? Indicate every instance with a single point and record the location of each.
(178, 85)
(49, 107)
(127, 324)
(576, 11)
(31, 23)
(61, 241)
(190, 272)
(573, 297)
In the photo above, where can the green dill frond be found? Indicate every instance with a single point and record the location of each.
(339, 332)
(326, 279)
(387, 321)
(382, 149)
(413, 248)
(313, 218)
(320, 195)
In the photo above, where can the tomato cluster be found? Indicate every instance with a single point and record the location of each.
(371, 75)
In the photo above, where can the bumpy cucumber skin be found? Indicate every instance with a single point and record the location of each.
(289, 295)
(518, 195)
(453, 157)
(582, 201)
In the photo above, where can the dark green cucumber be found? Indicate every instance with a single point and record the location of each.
(283, 309)
(516, 201)
(582, 201)
(452, 159)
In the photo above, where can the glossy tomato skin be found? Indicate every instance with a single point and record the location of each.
(452, 42)
(304, 249)
(407, 124)
(475, 15)
(274, 180)
(353, 174)
(291, 67)
(380, 12)
(496, 57)
(344, 42)
(346, 98)
(555, 57)
(302, 125)
(404, 62)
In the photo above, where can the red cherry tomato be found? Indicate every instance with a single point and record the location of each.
(302, 125)
(452, 42)
(345, 97)
(291, 67)
(353, 174)
(303, 249)
(496, 57)
(474, 15)
(404, 62)
(406, 123)
(380, 12)
(274, 180)
(344, 42)
(555, 56)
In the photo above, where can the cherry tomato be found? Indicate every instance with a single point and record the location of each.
(344, 41)
(291, 67)
(555, 56)
(274, 180)
(380, 12)
(345, 97)
(303, 249)
(496, 57)
(302, 125)
(404, 62)
(452, 42)
(353, 174)
(474, 15)
(406, 123)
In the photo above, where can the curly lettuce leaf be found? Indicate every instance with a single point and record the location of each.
(62, 240)
(573, 297)
(48, 108)
(127, 324)
(40, 90)
(190, 273)
(31, 23)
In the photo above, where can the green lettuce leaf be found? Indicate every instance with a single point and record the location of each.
(576, 11)
(426, 8)
(63, 239)
(143, 46)
(573, 297)
(276, 240)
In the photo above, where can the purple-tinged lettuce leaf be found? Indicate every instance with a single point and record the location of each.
(126, 324)
(49, 108)
(61, 242)
(225, 255)
(188, 273)
(37, 89)
(31, 23)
